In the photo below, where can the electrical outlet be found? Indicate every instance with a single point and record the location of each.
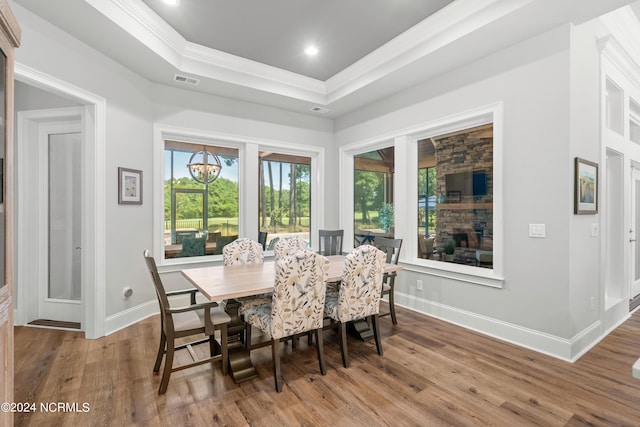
(592, 303)
(419, 285)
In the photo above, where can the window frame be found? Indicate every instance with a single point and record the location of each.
(248, 183)
(316, 182)
(405, 142)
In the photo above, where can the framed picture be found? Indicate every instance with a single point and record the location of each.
(129, 186)
(586, 187)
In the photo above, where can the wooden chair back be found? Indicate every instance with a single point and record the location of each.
(330, 242)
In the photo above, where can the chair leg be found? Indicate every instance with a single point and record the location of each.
(224, 344)
(275, 354)
(161, 352)
(247, 342)
(168, 365)
(320, 345)
(212, 345)
(376, 333)
(343, 344)
(392, 307)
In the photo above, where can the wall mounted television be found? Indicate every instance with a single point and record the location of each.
(467, 184)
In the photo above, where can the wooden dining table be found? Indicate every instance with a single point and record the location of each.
(226, 284)
(173, 250)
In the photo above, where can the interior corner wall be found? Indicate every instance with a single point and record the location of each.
(586, 292)
(531, 79)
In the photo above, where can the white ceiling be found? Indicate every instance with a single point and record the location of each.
(275, 32)
(251, 49)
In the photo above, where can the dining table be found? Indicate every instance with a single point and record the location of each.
(227, 284)
(174, 249)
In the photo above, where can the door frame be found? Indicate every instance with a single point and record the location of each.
(633, 232)
(93, 121)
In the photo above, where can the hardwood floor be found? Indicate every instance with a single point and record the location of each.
(432, 373)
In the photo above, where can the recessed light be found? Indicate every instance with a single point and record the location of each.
(172, 2)
(311, 50)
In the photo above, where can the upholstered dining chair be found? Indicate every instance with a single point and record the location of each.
(358, 296)
(330, 242)
(288, 246)
(193, 246)
(391, 247)
(245, 251)
(242, 251)
(297, 305)
(179, 322)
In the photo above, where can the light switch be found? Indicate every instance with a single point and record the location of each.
(537, 231)
(595, 230)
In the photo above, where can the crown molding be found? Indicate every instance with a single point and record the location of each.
(451, 23)
(620, 45)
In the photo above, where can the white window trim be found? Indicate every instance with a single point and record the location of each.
(406, 189)
(248, 182)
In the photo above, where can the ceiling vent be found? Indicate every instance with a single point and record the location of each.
(320, 110)
(185, 79)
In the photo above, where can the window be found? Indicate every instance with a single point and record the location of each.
(373, 195)
(455, 197)
(634, 121)
(614, 106)
(199, 217)
(285, 196)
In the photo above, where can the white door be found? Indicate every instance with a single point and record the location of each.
(634, 233)
(60, 291)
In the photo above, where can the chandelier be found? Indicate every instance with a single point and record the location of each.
(207, 169)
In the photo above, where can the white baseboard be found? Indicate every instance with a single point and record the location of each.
(569, 350)
(561, 348)
(130, 316)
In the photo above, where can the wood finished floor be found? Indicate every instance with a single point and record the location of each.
(432, 374)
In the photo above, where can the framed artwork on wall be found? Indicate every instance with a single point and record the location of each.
(585, 187)
(129, 186)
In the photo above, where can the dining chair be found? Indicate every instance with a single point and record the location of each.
(245, 251)
(272, 244)
(358, 296)
(180, 322)
(391, 247)
(242, 251)
(223, 241)
(262, 239)
(330, 242)
(213, 235)
(193, 246)
(180, 235)
(297, 305)
(288, 246)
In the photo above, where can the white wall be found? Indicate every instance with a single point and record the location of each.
(546, 96)
(133, 105)
(547, 281)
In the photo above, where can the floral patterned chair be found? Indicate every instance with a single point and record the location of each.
(242, 251)
(289, 246)
(359, 294)
(297, 305)
(245, 251)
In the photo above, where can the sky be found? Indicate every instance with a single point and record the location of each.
(181, 159)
